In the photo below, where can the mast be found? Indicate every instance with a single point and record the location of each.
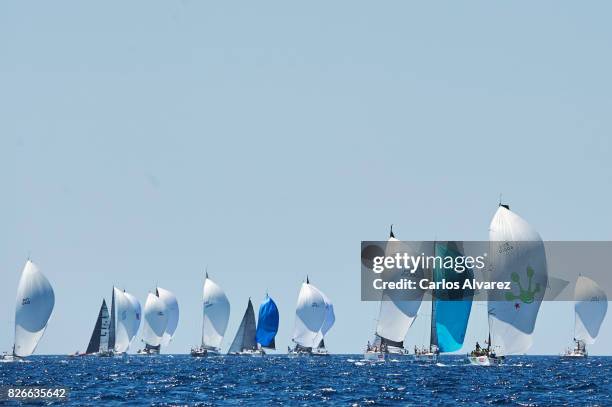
(111, 329)
(433, 334)
(204, 318)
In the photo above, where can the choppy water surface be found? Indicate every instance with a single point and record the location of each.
(335, 380)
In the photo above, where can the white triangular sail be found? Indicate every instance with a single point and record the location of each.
(155, 320)
(35, 301)
(590, 307)
(123, 309)
(172, 309)
(134, 315)
(516, 254)
(216, 312)
(309, 316)
(398, 312)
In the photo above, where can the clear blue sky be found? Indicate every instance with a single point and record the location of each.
(141, 141)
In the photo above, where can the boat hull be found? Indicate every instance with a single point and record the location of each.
(426, 357)
(485, 361)
(374, 356)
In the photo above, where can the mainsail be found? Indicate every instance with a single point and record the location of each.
(216, 312)
(516, 254)
(591, 304)
(134, 314)
(397, 313)
(172, 309)
(450, 310)
(99, 337)
(245, 337)
(267, 324)
(35, 301)
(309, 316)
(155, 321)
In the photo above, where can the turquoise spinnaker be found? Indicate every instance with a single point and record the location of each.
(451, 308)
(267, 325)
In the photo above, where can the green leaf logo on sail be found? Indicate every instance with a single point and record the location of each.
(525, 296)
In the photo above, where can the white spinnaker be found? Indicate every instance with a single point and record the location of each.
(155, 320)
(516, 254)
(590, 307)
(123, 308)
(134, 316)
(309, 316)
(216, 312)
(330, 317)
(35, 301)
(398, 312)
(172, 309)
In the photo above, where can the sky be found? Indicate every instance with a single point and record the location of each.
(143, 141)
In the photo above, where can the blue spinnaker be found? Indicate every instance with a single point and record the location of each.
(267, 325)
(451, 308)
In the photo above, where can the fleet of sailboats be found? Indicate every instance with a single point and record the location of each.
(590, 307)
(516, 254)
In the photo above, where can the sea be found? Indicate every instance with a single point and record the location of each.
(343, 380)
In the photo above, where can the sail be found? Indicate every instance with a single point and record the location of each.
(450, 308)
(133, 316)
(591, 304)
(309, 316)
(330, 319)
(267, 324)
(99, 337)
(172, 310)
(112, 323)
(123, 321)
(155, 320)
(516, 254)
(216, 312)
(397, 313)
(245, 337)
(35, 301)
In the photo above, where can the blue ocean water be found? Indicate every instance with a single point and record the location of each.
(334, 380)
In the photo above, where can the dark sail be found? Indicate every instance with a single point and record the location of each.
(100, 331)
(389, 342)
(111, 329)
(321, 344)
(245, 337)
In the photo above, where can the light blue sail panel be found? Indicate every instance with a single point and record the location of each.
(267, 325)
(452, 307)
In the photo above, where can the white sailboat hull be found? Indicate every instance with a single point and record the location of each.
(426, 357)
(374, 356)
(485, 361)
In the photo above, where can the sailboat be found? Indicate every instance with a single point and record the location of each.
(396, 315)
(516, 254)
(114, 330)
(267, 324)
(244, 342)
(216, 312)
(155, 322)
(590, 307)
(34, 305)
(450, 309)
(310, 315)
(251, 339)
(99, 343)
